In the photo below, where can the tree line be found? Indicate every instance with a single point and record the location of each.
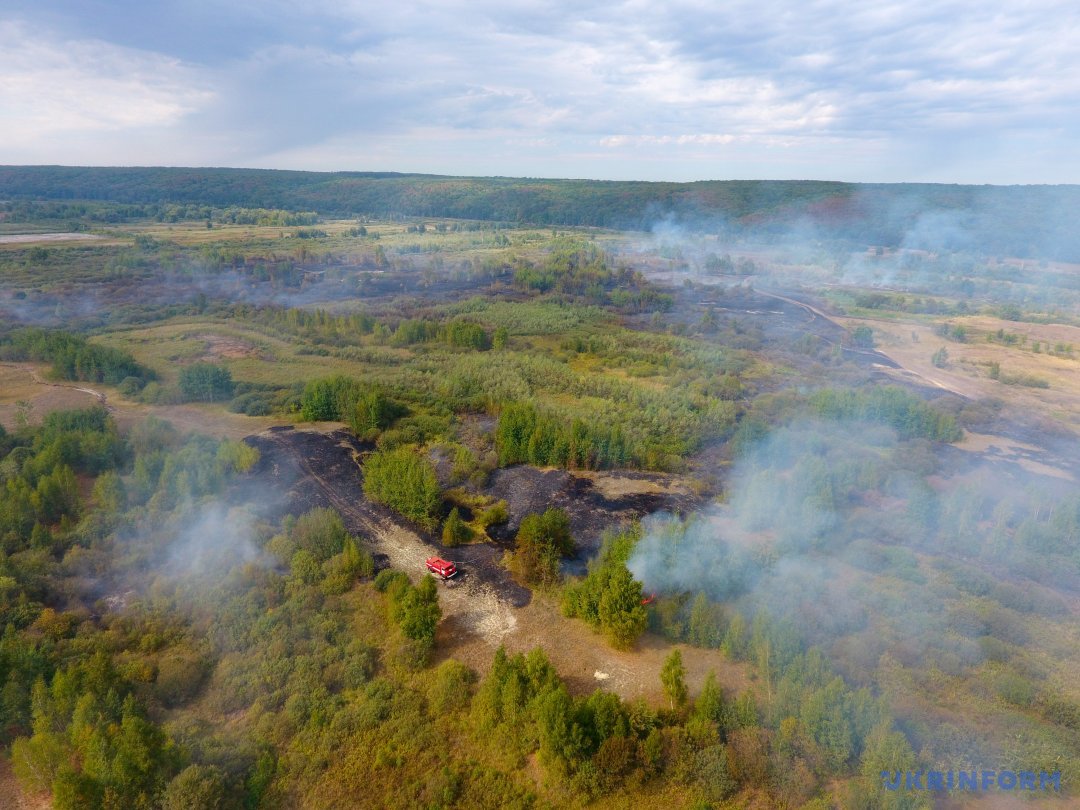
(72, 356)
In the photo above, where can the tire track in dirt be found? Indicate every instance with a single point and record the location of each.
(474, 605)
(484, 608)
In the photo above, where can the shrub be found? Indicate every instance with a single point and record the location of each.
(455, 530)
(405, 481)
(206, 382)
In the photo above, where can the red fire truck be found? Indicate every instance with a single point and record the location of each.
(443, 569)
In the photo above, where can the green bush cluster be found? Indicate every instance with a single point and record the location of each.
(72, 356)
(609, 598)
(542, 541)
(524, 434)
(910, 416)
(366, 408)
(206, 382)
(405, 481)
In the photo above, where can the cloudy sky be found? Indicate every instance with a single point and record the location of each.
(947, 91)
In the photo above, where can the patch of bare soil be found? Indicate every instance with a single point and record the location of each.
(583, 658)
(615, 485)
(193, 418)
(12, 797)
(224, 347)
(1027, 456)
(32, 238)
(22, 383)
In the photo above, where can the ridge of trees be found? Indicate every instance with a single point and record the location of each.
(1016, 220)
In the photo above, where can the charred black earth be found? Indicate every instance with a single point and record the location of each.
(299, 470)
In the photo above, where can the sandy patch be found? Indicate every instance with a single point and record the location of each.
(32, 238)
(614, 486)
(582, 657)
(223, 347)
(20, 383)
(12, 797)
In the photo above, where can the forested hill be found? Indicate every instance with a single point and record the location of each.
(1027, 221)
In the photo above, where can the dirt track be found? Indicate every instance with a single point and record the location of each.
(484, 608)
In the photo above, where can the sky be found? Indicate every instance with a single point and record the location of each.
(871, 91)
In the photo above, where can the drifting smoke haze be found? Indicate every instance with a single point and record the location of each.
(208, 541)
(87, 307)
(775, 540)
(815, 500)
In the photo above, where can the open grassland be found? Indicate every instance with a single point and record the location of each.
(1039, 382)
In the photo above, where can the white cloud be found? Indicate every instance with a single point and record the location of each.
(50, 88)
(875, 89)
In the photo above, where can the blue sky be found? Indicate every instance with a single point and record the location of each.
(949, 91)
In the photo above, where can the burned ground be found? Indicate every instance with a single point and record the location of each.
(299, 470)
(527, 490)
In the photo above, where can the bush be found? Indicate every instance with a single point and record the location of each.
(130, 386)
(206, 382)
(452, 688)
(863, 337)
(180, 674)
(197, 787)
(455, 530)
(405, 481)
(320, 532)
(609, 598)
(541, 541)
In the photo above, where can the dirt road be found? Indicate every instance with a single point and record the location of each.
(484, 608)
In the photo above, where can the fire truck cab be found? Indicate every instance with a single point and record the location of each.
(443, 569)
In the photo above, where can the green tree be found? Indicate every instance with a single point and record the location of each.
(455, 530)
(109, 494)
(673, 679)
(417, 613)
(37, 760)
(709, 705)
(405, 481)
(206, 382)
(886, 752)
(704, 626)
(374, 411)
(863, 337)
(197, 787)
(320, 532)
(57, 495)
(541, 541)
(622, 616)
(564, 743)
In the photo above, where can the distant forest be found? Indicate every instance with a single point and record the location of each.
(1021, 221)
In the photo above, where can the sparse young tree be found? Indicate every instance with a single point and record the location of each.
(541, 541)
(673, 678)
(863, 337)
(622, 616)
(206, 382)
(455, 530)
